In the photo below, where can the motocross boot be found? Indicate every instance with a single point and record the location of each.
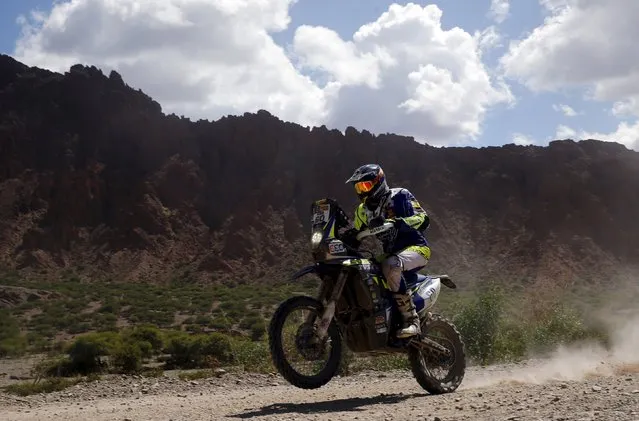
(406, 307)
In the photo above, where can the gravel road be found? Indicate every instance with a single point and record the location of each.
(566, 388)
(579, 383)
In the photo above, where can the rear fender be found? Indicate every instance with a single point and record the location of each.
(446, 281)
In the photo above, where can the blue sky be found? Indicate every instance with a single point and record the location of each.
(532, 115)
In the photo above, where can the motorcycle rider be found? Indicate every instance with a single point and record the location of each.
(405, 246)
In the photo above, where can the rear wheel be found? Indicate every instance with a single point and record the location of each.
(435, 373)
(298, 355)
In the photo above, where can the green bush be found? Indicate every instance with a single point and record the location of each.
(12, 342)
(149, 334)
(58, 366)
(127, 357)
(125, 350)
(559, 325)
(220, 323)
(86, 351)
(252, 356)
(493, 334)
(258, 330)
(198, 351)
(46, 386)
(479, 323)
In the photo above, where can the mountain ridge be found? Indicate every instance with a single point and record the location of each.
(94, 177)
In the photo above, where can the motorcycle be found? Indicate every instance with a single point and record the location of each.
(355, 306)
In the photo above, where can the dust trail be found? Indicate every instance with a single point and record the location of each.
(576, 362)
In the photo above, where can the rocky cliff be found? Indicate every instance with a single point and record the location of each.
(94, 177)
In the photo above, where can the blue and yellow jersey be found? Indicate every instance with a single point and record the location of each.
(401, 205)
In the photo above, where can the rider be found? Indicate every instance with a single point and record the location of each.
(405, 246)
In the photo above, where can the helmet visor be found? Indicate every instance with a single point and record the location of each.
(364, 186)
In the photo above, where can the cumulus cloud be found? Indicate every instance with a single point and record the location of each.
(626, 108)
(584, 44)
(488, 38)
(567, 110)
(198, 58)
(404, 74)
(565, 132)
(499, 10)
(401, 73)
(626, 133)
(522, 139)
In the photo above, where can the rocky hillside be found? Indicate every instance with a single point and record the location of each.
(94, 177)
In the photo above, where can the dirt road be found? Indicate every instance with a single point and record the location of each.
(536, 390)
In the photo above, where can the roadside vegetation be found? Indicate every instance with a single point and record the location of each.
(98, 328)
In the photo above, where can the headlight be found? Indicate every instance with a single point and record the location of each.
(316, 238)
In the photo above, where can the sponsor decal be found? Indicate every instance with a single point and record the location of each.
(336, 247)
(377, 229)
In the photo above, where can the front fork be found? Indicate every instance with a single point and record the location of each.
(329, 306)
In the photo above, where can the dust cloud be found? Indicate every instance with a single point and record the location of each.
(578, 361)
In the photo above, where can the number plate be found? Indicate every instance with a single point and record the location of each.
(336, 247)
(321, 214)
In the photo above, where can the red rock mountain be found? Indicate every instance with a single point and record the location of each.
(94, 177)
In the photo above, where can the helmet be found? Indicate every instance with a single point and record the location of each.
(370, 184)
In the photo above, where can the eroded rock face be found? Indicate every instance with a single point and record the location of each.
(11, 296)
(94, 175)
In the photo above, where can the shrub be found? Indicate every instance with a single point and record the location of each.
(86, 352)
(12, 343)
(46, 386)
(149, 334)
(58, 366)
(13, 346)
(252, 356)
(201, 350)
(127, 357)
(559, 325)
(258, 330)
(479, 324)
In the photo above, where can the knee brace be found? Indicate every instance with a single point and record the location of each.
(392, 268)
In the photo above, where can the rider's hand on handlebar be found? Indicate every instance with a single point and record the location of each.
(349, 238)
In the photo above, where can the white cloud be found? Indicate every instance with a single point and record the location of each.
(488, 38)
(565, 132)
(583, 43)
(199, 58)
(499, 10)
(626, 108)
(626, 134)
(567, 110)
(401, 73)
(522, 139)
(556, 5)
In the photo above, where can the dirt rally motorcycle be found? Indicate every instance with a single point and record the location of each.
(354, 303)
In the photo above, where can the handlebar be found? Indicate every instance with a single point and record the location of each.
(374, 231)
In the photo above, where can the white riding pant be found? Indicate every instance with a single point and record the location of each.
(394, 265)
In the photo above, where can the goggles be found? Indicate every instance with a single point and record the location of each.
(364, 186)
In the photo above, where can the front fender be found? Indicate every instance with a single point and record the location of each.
(304, 271)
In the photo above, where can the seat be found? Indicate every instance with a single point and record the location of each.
(413, 277)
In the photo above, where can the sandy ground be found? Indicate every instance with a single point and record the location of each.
(535, 390)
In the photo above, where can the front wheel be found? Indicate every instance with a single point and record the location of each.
(425, 366)
(321, 358)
